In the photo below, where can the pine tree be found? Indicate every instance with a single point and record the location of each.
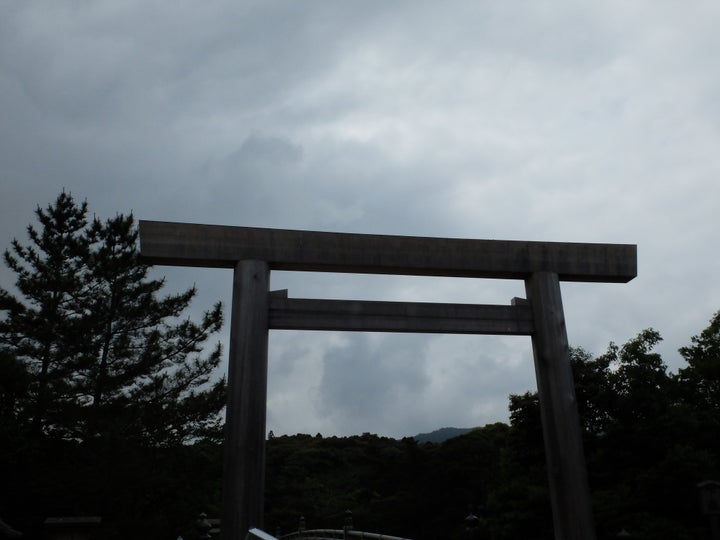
(43, 329)
(107, 354)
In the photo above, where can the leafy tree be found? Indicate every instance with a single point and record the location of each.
(698, 396)
(702, 376)
(625, 403)
(638, 379)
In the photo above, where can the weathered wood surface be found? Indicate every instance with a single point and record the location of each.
(218, 246)
(244, 450)
(569, 491)
(372, 316)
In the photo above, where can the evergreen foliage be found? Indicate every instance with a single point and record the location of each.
(101, 373)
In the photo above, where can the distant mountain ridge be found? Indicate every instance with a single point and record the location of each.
(442, 434)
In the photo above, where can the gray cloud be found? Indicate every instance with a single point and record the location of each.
(527, 120)
(371, 381)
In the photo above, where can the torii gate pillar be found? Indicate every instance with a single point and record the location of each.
(564, 456)
(244, 451)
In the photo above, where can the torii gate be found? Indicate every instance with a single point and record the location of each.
(254, 252)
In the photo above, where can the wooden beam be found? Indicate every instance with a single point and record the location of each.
(562, 433)
(370, 316)
(183, 244)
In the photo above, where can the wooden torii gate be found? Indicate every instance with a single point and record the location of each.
(253, 252)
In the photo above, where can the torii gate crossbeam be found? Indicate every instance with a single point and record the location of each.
(253, 253)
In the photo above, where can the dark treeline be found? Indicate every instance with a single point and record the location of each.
(110, 406)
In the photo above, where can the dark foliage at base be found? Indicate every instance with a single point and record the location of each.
(649, 440)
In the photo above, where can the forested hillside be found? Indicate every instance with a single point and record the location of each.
(442, 434)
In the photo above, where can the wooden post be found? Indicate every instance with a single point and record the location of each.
(244, 452)
(569, 491)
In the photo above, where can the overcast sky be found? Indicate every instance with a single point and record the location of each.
(520, 120)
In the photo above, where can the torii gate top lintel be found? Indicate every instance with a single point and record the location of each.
(219, 246)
